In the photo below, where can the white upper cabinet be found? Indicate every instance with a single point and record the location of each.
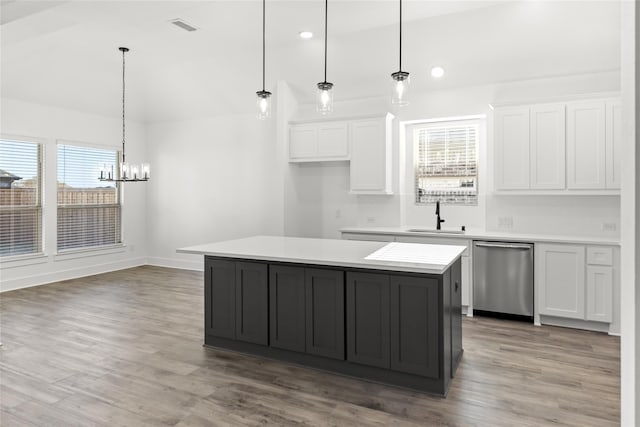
(315, 142)
(547, 145)
(613, 143)
(370, 169)
(568, 147)
(511, 145)
(303, 142)
(586, 145)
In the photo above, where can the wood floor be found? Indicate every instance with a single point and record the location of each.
(125, 349)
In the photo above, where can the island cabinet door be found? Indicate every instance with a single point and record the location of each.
(325, 312)
(252, 302)
(287, 308)
(220, 298)
(368, 319)
(415, 326)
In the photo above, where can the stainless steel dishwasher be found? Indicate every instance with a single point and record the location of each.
(503, 279)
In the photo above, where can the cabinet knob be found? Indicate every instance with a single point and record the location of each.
(456, 286)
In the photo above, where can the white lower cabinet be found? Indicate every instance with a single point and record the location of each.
(599, 285)
(568, 286)
(560, 273)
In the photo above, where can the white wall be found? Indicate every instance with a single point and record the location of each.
(214, 179)
(630, 215)
(50, 124)
(318, 203)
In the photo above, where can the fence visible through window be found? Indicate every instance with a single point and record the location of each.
(89, 211)
(20, 198)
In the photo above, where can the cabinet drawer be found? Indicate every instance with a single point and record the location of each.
(597, 255)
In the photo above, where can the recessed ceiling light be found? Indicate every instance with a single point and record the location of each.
(437, 72)
(306, 34)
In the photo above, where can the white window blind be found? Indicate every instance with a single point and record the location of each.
(446, 167)
(20, 198)
(89, 213)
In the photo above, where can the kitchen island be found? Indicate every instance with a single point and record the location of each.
(388, 313)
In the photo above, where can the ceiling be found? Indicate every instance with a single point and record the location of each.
(64, 53)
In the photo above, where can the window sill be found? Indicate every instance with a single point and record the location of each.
(23, 260)
(89, 252)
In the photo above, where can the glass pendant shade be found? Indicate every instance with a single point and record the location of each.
(400, 89)
(263, 104)
(324, 94)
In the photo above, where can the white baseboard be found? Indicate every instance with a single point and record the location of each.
(576, 324)
(72, 273)
(177, 263)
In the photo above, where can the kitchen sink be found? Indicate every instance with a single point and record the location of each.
(433, 230)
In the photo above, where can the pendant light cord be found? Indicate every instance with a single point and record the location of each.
(326, 6)
(123, 128)
(400, 69)
(263, 41)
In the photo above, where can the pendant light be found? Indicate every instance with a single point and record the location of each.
(263, 102)
(325, 89)
(129, 172)
(400, 78)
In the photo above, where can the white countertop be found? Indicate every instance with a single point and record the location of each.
(407, 257)
(475, 234)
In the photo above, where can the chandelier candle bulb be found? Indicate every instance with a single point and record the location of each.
(145, 170)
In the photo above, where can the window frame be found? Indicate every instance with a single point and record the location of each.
(39, 254)
(78, 252)
(410, 127)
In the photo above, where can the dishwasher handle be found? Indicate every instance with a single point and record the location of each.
(502, 245)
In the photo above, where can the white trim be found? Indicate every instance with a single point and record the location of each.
(23, 138)
(114, 147)
(72, 273)
(89, 252)
(444, 119)
(574, 323)
(13, 261)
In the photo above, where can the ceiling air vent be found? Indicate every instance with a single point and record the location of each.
(180, 23)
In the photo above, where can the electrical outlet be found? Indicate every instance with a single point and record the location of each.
(609, 226)
(338, 214)
(371, 220)
(505, 222)
(132, 248)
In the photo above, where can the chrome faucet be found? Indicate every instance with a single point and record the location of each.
(438, 219)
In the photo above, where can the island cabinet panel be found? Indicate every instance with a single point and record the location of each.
(220, 298)
(456, 315)
(287, 308)
(415, 324)
(325, 312)
(252, 302)
(368, 319)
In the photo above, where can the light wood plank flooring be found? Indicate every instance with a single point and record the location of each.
(125, 349)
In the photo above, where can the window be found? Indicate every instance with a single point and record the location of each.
(20, 198)
(89, 213)
(446, 168)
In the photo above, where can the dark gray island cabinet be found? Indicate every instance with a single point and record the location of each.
(384, 324)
